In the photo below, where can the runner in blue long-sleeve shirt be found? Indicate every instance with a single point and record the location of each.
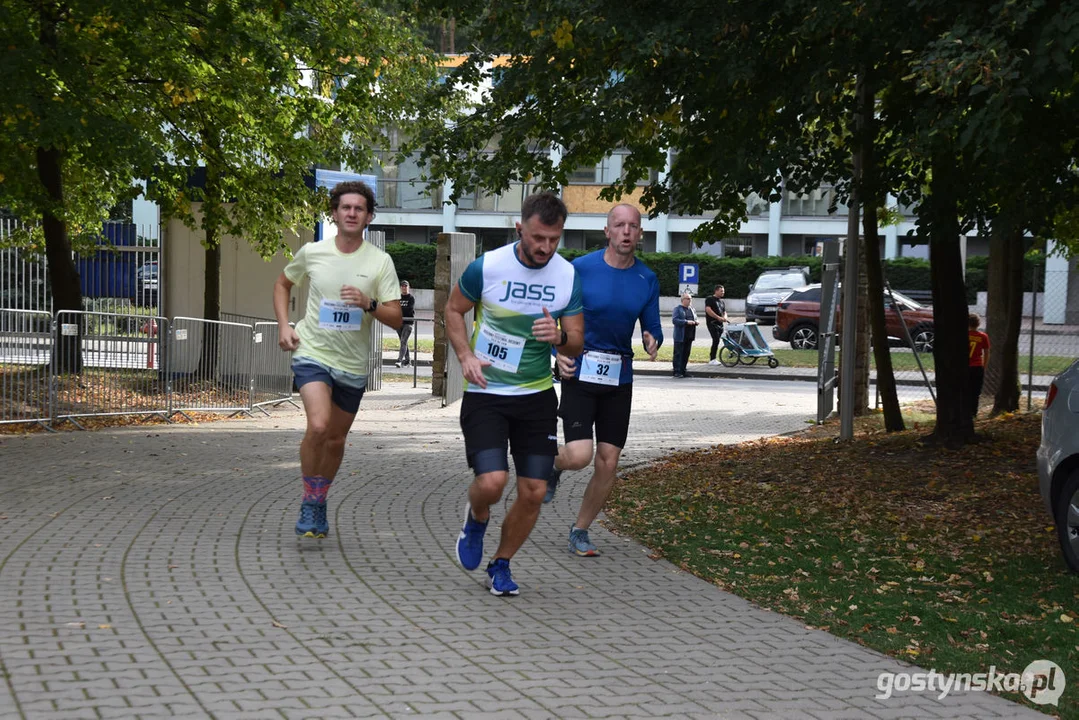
(597, 386)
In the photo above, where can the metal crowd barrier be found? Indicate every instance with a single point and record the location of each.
(79, 364)
(210, 366)
(120, 357)
(271, 374)
(25, 360)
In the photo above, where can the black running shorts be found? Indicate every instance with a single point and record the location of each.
(528, 422)
(586, 404)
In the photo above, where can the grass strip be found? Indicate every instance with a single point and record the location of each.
(944, 558)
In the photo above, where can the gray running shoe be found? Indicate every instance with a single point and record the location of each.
(580, 545)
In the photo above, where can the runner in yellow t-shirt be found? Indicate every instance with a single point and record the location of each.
(351, 284)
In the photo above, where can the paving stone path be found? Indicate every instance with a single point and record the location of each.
(154, 572)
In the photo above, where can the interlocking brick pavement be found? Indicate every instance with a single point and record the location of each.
(153, 572)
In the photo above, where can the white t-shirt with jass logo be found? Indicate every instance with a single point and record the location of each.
(509, 297)
(335, 334)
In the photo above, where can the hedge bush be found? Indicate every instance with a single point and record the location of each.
(416, 263)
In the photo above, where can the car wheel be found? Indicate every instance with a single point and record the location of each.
(923, 337)
(804, 337)
(1066, 513)
(728, 357)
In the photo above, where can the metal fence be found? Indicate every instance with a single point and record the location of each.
(271, 373)
(77, 364)
(122, 274)
(120, 366)
(25, 359)
(210, 366)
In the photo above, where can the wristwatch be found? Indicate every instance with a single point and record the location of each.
(373, 305)
(563, 340)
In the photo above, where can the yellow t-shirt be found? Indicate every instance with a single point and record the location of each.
(330, 332)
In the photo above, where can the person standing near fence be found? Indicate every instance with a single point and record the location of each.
(522, 293)
(352, 283)
(979, 358)
(715, 311)
(619, 292)
(685, 331)
(408, 314)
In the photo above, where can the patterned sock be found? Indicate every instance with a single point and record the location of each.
(315, 488)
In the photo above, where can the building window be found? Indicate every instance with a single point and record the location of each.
(605, 172)
(741, 246)
(821, 202)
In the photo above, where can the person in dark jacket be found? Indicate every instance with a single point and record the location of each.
(685, 330)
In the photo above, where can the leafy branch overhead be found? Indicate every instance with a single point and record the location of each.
(753, 98)
(155, 90)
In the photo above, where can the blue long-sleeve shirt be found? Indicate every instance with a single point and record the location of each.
(615, 300)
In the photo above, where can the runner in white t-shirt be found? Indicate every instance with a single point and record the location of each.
(521, 293)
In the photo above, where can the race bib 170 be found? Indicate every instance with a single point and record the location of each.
(339, 315)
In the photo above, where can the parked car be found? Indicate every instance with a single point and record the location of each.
(146, 284)
(1058, 460)
(769, 288)
(798, 320)
(147, 276)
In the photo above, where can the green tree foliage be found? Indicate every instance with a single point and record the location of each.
(99, 94)
(753, 97)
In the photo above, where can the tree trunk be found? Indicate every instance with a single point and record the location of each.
(861, 338)
(1004, 313)
(211, 277)
(63, 275)
(950, 350)
(860, 394)
(882, 354)
(873, 199)
(849, 321)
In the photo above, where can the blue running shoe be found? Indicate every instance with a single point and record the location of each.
(552, 485)
(470, 541)
(499, 580)
(312, 522)
(580, 545)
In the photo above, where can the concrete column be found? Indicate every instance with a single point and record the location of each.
(891, 232)
(775, 240)
(1055, 283)
(449, 210)
(663, 234)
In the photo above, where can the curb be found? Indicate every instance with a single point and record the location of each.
(776, 374)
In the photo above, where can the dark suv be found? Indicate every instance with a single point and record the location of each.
(771, 287)
(798, 320)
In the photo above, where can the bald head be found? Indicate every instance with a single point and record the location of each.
(623, 207)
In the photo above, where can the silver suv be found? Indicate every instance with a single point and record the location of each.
(769, 289)
(1058, 460)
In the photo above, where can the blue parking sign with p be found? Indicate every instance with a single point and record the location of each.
(688, 273)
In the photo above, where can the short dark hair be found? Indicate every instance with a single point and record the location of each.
(718, 287)
(974, 321)
(548, 206)
(352, 186)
